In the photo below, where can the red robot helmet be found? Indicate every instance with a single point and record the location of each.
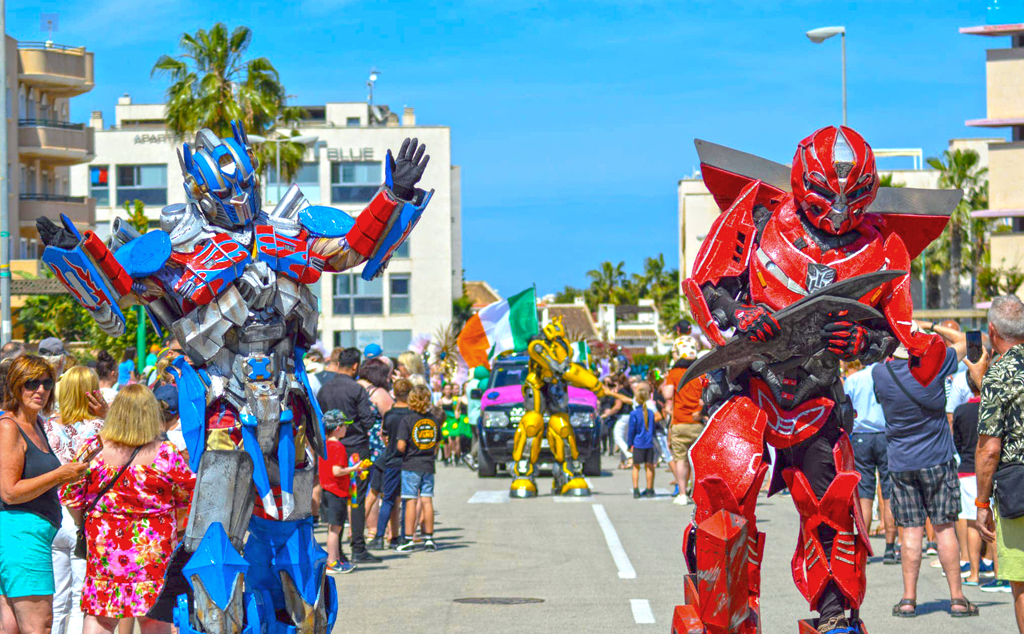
(834, 178)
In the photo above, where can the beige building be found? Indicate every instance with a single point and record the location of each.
(1004, 78)
(42, 142)
(135, 159)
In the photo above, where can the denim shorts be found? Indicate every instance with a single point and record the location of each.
(416, 484)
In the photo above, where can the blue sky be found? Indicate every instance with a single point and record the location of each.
(573, 121)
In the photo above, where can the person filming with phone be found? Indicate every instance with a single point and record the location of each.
(999, 461)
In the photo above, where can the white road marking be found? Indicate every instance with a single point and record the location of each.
(642, 613)
(626, 570)
(569, 499)
(489, 497)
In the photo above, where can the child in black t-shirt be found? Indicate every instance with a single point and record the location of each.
(418, 437)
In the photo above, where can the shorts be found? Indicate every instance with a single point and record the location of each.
(932, 493)
(333, 508)
(391, 483)
(681, 437)
(26, 560)
(968, 494)
(376, 477)
(870, 454)
(416, 484)
(1010, 545)
(644, 456)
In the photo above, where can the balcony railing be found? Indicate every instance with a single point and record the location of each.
(52, 198)
(50, 123)
(50, 46)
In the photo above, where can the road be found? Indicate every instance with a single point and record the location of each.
(607, 563)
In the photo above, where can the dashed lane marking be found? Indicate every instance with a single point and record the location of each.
(626, 570)
(642, 613)
(489, 497)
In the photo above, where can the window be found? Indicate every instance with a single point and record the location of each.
(355, 182)
(399, 293)
(147, 183)
(396, 342)
(99, 184)
(368, 298)
(352, 122)
(307, 178)
(402, 252)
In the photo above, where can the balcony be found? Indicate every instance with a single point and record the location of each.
(81, 210)
(60, 70)
(1005, 165)
(55, 142)
(1004, 71)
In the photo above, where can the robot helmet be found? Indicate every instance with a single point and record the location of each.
(554, 329)
(220, 177)
(834, 178)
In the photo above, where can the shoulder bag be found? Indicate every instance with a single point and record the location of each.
(1009, 480)
(81, 550)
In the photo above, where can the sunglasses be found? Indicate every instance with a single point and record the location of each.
(33, 384)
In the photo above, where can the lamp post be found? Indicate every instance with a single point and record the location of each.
(370, 82)
(820, 35)
(304, 140)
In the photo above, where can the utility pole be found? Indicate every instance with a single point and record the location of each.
(5, 220)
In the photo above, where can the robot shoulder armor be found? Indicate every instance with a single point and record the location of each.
(185, 225)
(325, 222)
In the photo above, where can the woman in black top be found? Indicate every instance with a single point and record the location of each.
(29, 506)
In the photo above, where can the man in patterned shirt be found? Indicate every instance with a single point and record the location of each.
(1001, 437)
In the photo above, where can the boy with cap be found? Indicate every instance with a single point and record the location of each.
(334, 479)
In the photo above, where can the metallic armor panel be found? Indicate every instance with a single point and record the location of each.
(223, 494)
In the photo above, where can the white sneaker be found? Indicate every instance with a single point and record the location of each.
(681, 500)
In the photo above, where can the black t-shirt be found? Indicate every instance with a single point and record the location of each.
(421, 433)
(391, 427)
(965, 434)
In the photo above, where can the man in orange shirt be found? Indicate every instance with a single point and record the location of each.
(686, 424)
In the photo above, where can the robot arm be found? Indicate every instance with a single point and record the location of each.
(383, 225)
(927, 352)
(581, 377)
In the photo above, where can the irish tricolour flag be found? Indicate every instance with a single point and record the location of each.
(499, 327)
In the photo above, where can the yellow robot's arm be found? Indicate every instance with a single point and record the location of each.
(581, 377)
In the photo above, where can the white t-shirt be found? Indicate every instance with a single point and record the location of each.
(959, 392)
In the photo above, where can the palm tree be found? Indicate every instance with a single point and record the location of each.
(606, 281)
(959, 169)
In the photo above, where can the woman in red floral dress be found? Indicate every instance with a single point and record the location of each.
(131, 532)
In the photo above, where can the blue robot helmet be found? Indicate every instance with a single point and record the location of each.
(220, 177)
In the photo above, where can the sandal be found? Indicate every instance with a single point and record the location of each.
(969, 609)
(899, 612)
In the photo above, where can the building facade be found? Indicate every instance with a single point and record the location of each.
(42, 143)
(135, 159)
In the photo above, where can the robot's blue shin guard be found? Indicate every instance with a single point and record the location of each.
(288, 569)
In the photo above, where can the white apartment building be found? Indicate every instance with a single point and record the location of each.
(135, 159)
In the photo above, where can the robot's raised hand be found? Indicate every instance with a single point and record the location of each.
(407, 170)
(55, 235)
(754, 322)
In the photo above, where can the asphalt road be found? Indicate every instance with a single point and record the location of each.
(564, 554)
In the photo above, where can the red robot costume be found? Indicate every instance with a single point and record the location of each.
(768, 255)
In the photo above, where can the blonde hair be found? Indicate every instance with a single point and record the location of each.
(642, 393)
(71, 394)
(411, 362)
(419, 399)
(134, 418)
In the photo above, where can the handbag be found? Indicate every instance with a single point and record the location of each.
(1009, 480)
(81, 550)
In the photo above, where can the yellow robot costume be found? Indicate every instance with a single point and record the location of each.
(545, 393)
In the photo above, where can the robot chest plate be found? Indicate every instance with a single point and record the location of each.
(785, 267)
(290, 257)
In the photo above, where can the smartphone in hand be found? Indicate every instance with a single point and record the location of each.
(974, 350)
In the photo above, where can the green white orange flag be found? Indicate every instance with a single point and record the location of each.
(504, 325)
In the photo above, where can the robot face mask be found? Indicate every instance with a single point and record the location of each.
(558, 345)
(220, 176)
(834, 178)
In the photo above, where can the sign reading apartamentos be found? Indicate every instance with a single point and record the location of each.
(141, 139)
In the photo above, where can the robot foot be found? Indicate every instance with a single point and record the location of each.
(523, 488)
(576, 487)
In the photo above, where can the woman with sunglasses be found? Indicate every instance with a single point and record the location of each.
(29, 506)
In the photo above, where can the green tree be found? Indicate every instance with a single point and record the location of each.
(568, 295)
(462, 310)
(606, 283)
(136, 215)
(958, 169)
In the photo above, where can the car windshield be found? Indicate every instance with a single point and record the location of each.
(508, 375)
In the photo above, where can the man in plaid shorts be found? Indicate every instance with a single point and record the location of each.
(923, 469)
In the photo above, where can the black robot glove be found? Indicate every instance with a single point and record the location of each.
(407, 170)
(54, 235)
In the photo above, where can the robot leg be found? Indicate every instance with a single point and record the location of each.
(222, 504)
(569, 473)
(525, 452)
(728, 471)
(832, 547)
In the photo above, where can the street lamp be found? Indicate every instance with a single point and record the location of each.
(371, 81)
(820, 35)
(304, 140)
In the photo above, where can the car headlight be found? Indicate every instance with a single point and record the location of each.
(495, 419)
(582, 419)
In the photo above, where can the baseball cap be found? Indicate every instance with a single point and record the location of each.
(167, 395)
(51, 347)
(372, 351)
(335, 418)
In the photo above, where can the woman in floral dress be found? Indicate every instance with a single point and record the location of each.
(131, 532)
